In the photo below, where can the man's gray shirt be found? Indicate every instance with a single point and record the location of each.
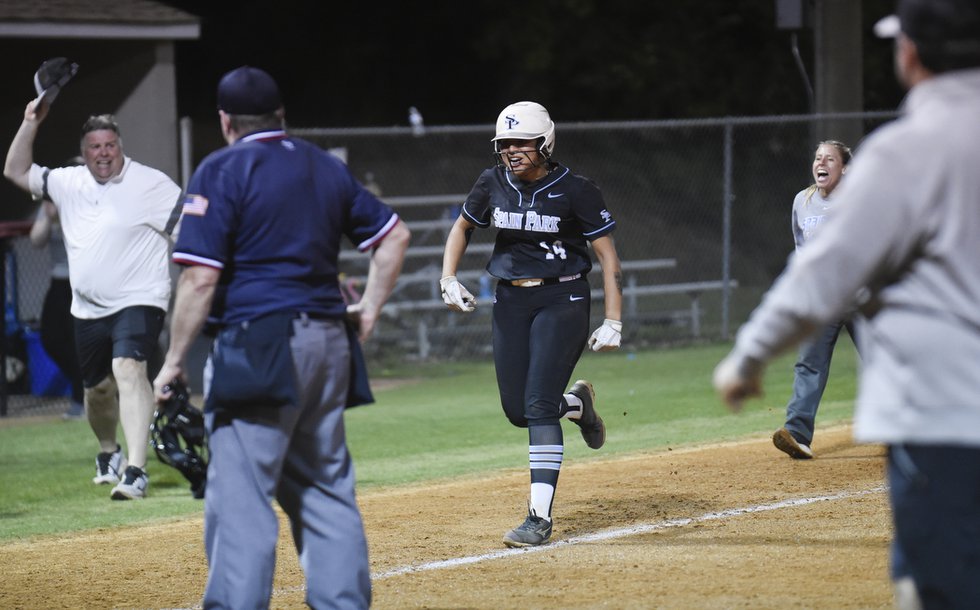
(905, 226)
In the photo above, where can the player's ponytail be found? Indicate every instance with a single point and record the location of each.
(810, 190)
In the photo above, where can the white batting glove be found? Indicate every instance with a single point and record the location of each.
(607, 337)
(737, 378)
(455, 295)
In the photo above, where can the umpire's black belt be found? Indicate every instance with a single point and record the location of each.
(313, 315)
(530, 282)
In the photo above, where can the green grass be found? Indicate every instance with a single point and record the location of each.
(445, 423)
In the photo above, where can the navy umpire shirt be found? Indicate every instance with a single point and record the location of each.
(269, 211)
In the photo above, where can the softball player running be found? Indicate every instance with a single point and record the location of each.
(545, 218)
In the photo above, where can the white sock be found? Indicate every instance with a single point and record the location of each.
(574, 402)
(541, 496)
(544, 457)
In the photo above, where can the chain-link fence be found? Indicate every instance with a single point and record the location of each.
(702, 210)
(30, 381)
(703, 213)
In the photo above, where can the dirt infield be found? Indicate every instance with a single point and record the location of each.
(730, 526)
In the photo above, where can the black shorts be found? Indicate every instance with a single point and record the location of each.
(133, 332)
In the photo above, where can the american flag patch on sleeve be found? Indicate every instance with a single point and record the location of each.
(195, 205)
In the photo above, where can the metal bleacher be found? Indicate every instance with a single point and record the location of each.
(417, 319)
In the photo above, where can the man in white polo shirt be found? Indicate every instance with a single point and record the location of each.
(118, 218)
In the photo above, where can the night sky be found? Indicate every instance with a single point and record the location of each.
(364, 64)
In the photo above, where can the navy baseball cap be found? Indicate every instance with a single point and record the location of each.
(248, 90)
(946, 22)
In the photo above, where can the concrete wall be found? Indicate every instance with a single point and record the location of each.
(148, 112)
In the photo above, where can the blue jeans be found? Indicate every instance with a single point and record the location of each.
(935, 497)
(811, 372)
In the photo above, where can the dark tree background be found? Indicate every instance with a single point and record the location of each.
(460, 62)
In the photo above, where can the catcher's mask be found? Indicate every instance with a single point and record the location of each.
(179, 437)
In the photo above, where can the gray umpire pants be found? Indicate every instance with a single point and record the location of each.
(298, 455)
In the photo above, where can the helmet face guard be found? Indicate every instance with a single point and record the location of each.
(179, 438)
(525, 121)
(499, 157)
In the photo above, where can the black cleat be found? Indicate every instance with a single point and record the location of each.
(534, 531)
(593, 430)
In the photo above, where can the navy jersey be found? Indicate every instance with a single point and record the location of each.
(270, 212)
(543, 227)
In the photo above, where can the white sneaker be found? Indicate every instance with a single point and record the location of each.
(133, 485)
(784, 441)
(109, 467)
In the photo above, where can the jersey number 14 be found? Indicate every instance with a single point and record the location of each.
(555, 249)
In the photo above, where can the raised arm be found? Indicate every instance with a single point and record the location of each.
(386, 264)
(20, 155)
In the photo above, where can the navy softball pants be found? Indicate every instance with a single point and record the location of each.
(538, 336)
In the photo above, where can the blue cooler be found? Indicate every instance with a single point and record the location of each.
(46, 378)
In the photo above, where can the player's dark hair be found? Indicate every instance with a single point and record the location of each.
(946, 33)
(248, 123)
(937, 58)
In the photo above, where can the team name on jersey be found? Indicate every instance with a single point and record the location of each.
(527, 221)
(809, 225)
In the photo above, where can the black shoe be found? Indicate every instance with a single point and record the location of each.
(534, 531)
(593, 430)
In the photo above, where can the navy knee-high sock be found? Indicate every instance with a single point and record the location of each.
(545, 454)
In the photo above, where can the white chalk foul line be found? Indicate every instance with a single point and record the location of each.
(599, 536)
(621, 533)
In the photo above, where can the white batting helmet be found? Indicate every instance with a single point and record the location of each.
(526, 121)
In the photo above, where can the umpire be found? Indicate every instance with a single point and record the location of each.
(260, 246)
